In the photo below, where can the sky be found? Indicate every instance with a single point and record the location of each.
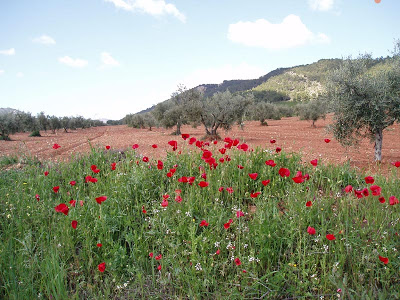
(108, 58)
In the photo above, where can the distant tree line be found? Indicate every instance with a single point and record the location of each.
(18, 121)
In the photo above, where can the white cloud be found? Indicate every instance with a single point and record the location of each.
(152, 7)
(261, 33)
(1, 72)
(44, 39)
(225, 72)
(77, 62)
(8, 52)
(20, 74)
(321, 5)
(108, 61)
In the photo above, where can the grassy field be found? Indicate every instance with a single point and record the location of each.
(208, 222)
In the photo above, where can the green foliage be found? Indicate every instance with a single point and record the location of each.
(35, 133)
(264, 111)
(313, 111)
(8, 126)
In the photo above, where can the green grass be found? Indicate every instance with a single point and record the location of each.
(42, 256)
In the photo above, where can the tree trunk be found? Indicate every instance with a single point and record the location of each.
(178, 128)
(378, 145)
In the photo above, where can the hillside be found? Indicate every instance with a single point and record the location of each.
(7, 110)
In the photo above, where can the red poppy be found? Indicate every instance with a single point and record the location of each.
(56, 146)
(382, 199)
(102, 267)
(87, 178)
(253, 176)
(221, 160)
(113, 166)
(99, 245)
(385, 260)
(178, 192)
(203, 223)
(185, 136)
(92, 179)
(154, 146)
(174, 145)
(278, 149)
(72, 202)
(215, 142)
(376, 190)
(235, 142)
(255, 195)
(206, 154)
(330, 237)
(169, 174)
(314, 162)
(144, 210)
(74, 223)
(227, 158)
(73, 182)
(101, 199)
(145, 159)
(164, 203)
(37, 197)
(222, 150)
(56, 189)
(270, 163)
(348, 188)
(327, 140)
(151, 254)
(62, 208)
(284, 172)
(178, 199)
(160, 165)
(204, 176)
(191, 180)
(237, 261)
(358, 194)
(220, 189)
(396, 164)
(298, 178)
(183, 179)
(240, 167)
(108, 147)
(272, 141)
(369, 180)
(46, 173)
(239, 214)
(192, 140)
(229, 190)
(308, 203)
(265, 182)
(227, 225)
(135, 146)
(159, 257)
(393, 200)
(365, 192)
(218, 252)
(311, 230)
(159, 268)
(243, 147)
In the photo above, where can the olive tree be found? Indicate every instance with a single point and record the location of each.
(263, 111)
(365, 99)
(8, 126)
(313, 111)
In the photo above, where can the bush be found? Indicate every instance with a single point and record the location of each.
(35, 133)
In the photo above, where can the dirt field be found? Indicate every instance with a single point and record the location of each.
(291, 134)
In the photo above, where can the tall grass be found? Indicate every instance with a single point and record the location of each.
(42, 256)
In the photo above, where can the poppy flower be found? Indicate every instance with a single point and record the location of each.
(191, 180)
(37, 197)
(222, 150)
(314, 162)
(311, 230)
(204, 176)
(74, 223)
(253, 176)
(101, 199)
(358, 194)
(178, 199)
(396, 164)
(73, 182)
(135, 146)
(99, 245)
(348, 188)
(385, 260)
(237, 261)
(178, 192)
(308, 203)
(160, 165)
(108, 147)
(159, 268)
(240, 167)
(220, 189)
(56, 189)
(87, 178)
(164, 203)
(154, 146)
(227, 225)
(62, 208)
(81, 202)
(151, 254)
(46, 173)
(72, 202)
(215, 142)
(145, 159)
(393, 200)
(169, 174)
(265, 182)
(113, 165)
(102, 267)
(174, 145)
(272, 141)
(159, 257)
(218, 252)
(278, 149)
(365, 192)
(270, 163)
(376, 190)
(56, 146)
(243, 147)
(192, 140)
(206, 154)
(185, 136)
(330, 237)
(203, 223)
(93, 180)
(298, 178)
(221, 160)
(255, 195)
(327, 140)
(369, 180)
(239, 214)
(284, 172)
(144, 210)
(382, 199)
(227, 158)
(235, 142)
(229, 190)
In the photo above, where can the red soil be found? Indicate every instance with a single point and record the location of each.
(290, 134)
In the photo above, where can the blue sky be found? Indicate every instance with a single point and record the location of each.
(108, 58)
